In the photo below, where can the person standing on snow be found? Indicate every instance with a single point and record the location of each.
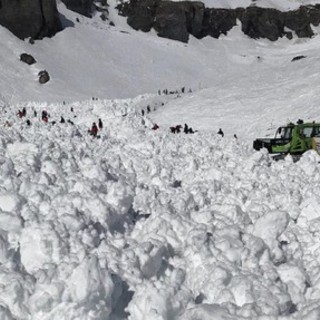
(100, 124)
(220, 132)
(44, 116)
(94, 130)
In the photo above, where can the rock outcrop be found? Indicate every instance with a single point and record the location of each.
(83, 7)
(177, 20)
(30, 18)
(87, 7)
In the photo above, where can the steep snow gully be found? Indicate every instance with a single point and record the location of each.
(144, 224)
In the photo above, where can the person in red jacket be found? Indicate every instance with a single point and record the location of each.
(94, 130)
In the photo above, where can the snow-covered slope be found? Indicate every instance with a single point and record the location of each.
(148, 225)
(243, 85)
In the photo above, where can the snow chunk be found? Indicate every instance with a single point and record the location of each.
(269, 227)
(10, 201)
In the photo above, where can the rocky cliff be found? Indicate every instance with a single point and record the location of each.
(177, 20)
(83, 7)
(30, 18)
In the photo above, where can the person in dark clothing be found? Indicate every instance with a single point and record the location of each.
(28, 122)
(62, 120)
(186, 129)
(100, 124)
(24, 112)
(221, 132)
(94, 130)
(235, 136)
(155, 127)
(71, 109)
(142, 112)
(191, 130)
(35, 113)
(44, 116)
(148, 109)
(176, 129)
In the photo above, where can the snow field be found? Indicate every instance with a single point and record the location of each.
(143, 224)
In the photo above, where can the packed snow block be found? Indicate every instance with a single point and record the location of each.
(269, 227)
(295, 278)
(310, 210)
(10, 222)
(150, 257)
(30, 18)
(10, 202)
(91, 285)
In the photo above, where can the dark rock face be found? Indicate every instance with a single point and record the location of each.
(30, 18)
(171, 21)
(83, 7)
(27, 58)
(218, 21)
(262, 23)
(43, 76)
(141, 14)
(177, 20)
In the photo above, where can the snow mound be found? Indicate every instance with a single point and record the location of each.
(146, 224)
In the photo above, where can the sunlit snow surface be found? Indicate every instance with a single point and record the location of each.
(144, 224)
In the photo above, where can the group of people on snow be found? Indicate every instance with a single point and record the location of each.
(93, 131)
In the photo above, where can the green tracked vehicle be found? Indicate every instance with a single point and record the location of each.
(294, 139)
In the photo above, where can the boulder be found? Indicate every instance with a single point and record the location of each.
(30, 18)
(27, 58)
(43, 76)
